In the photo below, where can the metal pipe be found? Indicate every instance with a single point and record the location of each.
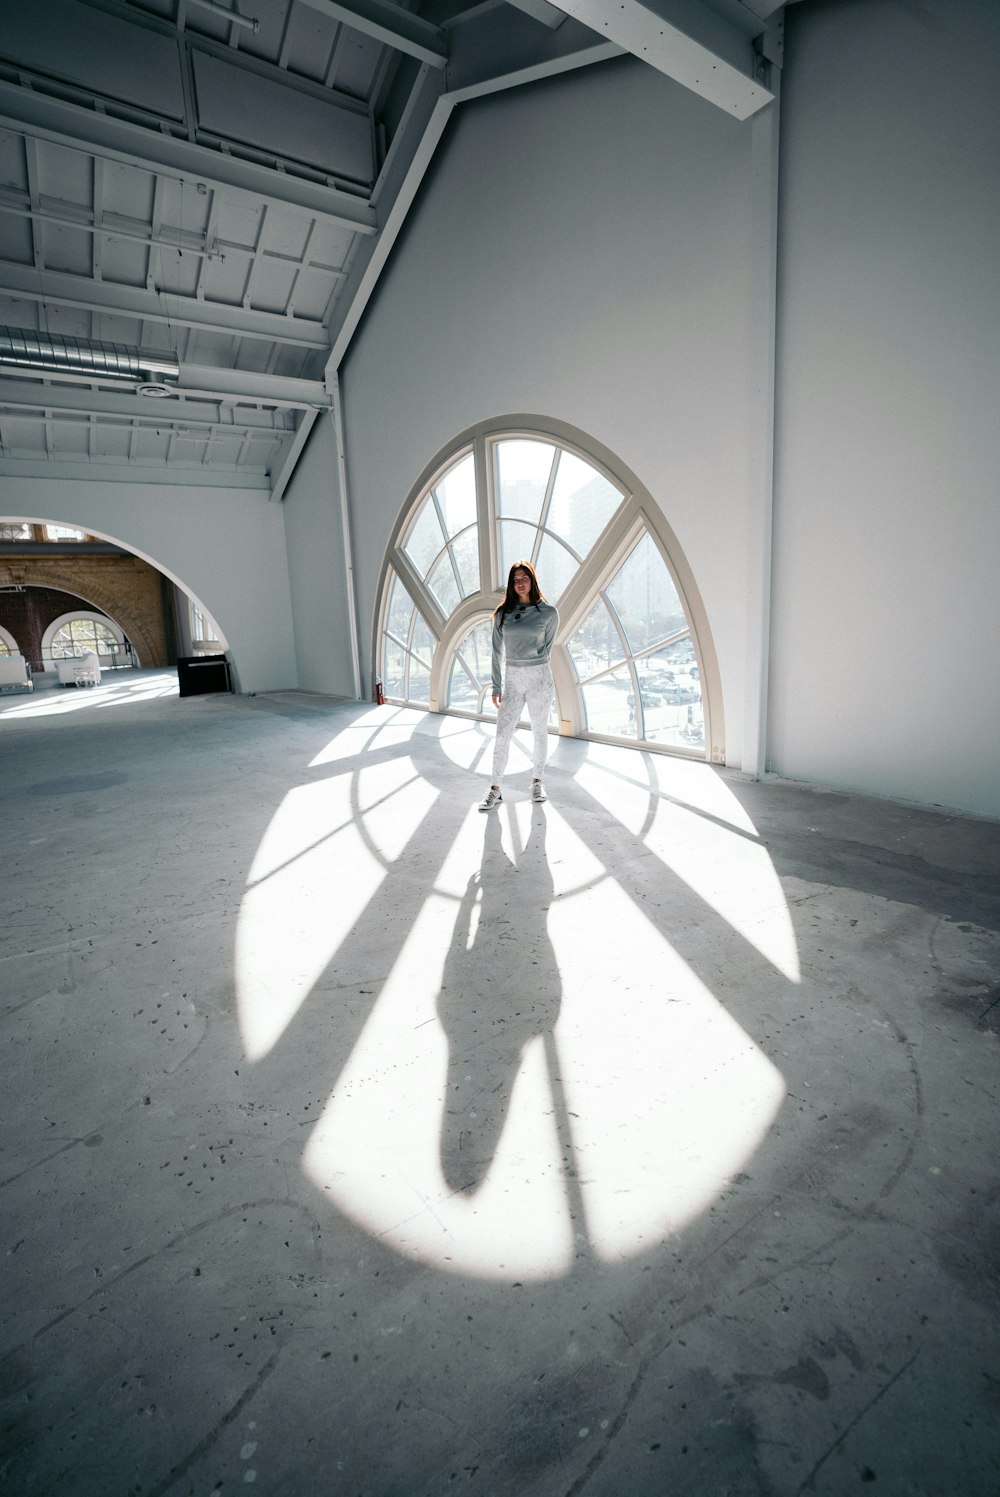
(49, 353)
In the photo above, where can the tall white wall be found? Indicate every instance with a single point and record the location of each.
(224, 546)
(314, 531)
(580, 251)
(885, 665)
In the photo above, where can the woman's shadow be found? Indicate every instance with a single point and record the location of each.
(500, 989)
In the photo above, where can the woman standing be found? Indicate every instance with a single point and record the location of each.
(524, 626)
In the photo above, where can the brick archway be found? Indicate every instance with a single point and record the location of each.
(108, 591)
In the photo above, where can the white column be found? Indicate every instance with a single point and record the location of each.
(763, 267)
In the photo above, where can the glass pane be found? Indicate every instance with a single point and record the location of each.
(523, 470)
(684, 727)
(420, 683)
(422, 643)
(4, 647)
(610, 705)
(556, 568)
(671, 696)
(443, 585)
(583, 502)
(645, 598)
(425, 539)
(516, 541)
(456, 494)
(462, 692)
(466, 552)
(476, 650)
(596, 644)
(392, 669)
(672, 671)
(400, 610)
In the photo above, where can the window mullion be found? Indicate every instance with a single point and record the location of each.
(486, 507)
(598, 570)
(543, 517)
(447, 543)
(661, 644)
(419, 593)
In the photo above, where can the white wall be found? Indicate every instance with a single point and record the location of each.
(885, 668)
(224, 546)
(316, 562)
(580, 252)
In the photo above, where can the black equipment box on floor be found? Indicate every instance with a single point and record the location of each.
(197, 674)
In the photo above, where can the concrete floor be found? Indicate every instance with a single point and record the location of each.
(356, 1143)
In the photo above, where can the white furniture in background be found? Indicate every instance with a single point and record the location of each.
(79, 670)
(14, 673)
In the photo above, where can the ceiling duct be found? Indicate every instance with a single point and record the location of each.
(46, 353)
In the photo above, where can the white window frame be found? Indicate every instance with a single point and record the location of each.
(637, 515)
(48, 663)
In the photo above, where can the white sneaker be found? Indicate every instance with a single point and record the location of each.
(538, 791)
(492, 798)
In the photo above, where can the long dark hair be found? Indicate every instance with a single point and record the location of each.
(510, 599)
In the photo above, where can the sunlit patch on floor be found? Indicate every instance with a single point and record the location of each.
(543, 1073)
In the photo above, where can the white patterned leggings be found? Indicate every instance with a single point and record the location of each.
(531, 684)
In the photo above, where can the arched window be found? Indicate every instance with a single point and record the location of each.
(80, 635)
(75, 633)
(633, 659)
(8, 644)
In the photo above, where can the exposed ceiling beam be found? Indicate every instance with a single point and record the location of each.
(688, 42)
(45, 118)
(391, 24)
(134, 473)
(19, 395)
(57, 287)
(239, 384)
(199, 431)
(209, 381)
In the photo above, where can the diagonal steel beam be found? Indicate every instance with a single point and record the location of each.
(516, 55)
(499, 49)
(282, 472)
(420, 129)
